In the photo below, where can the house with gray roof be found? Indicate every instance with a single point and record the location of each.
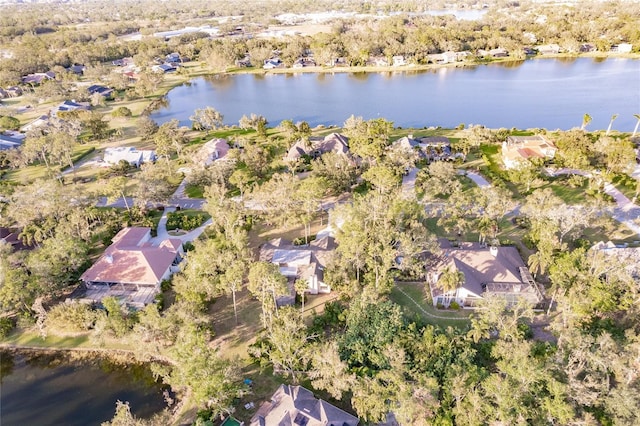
(487, 271)
(295, 405)
(303, 262)
(315, 147)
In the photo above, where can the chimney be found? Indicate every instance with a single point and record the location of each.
(494, 251)
(108, 258)
(517, 288)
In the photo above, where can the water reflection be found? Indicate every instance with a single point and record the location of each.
(547, 93)
(56, 389)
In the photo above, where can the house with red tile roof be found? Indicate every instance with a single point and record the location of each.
(132, 267)
(517, 150)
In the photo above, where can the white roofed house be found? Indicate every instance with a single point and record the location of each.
(113, 156)
(480, 272)
(305, 262)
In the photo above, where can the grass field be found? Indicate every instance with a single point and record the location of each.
(411, 296)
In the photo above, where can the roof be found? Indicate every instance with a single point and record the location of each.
(295, 405)
(334, 142)
(211, 151)
(483, 271)
(129, 154)
(132, 259)
(518, 148)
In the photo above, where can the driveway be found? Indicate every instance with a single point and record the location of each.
(477, 178)
(409, 183)
(162, 233)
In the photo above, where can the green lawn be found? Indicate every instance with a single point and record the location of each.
(411, 296)
(194, 191)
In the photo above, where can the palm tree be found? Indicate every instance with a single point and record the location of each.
(586, 119)
(300, 287)
(635, 129)
(450, 280)
(613, 118)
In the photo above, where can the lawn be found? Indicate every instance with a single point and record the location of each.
(194, 191)
(411, 296)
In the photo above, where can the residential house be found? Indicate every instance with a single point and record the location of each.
(102, 90)
(10, 140)
(123, 62)
(14, 91)
(622, 48)
(304, 62)
(398, 61)
(3, 93)
(244, 62)
(587, 47)
(173, 58)
(11, 237)
(548, 49)
(304, 262)
(41, 121)
(516, 150)
(214, 150)
(272, 63)
(131, 155)
(377, 61)
(38, 78)
(438, 148)
(625, 255)
(494, 53)
(164, 68)
(334, 142)
(67, 106)
(444, 58)
(131, 268)
(486, 271)
(295, 405)
(77, 69)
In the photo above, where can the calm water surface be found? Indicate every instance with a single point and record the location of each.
(548, 93)
(50, 390)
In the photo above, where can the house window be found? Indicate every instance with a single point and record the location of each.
(439, 301)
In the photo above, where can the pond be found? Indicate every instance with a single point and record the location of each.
(536, 93)
(55, 390)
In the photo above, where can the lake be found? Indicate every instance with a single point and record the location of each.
(52, 390)
(536, 93)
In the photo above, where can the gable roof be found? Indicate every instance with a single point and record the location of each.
(295, 405)
(333, 142)
(132, 259)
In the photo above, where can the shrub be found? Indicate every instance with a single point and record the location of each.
(121, 112)
(70, 317)
(454, 305)
(184, 221)
(6, 327)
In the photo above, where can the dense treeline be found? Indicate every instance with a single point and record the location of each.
(40, 42)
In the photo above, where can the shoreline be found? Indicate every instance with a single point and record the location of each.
(419, 67)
